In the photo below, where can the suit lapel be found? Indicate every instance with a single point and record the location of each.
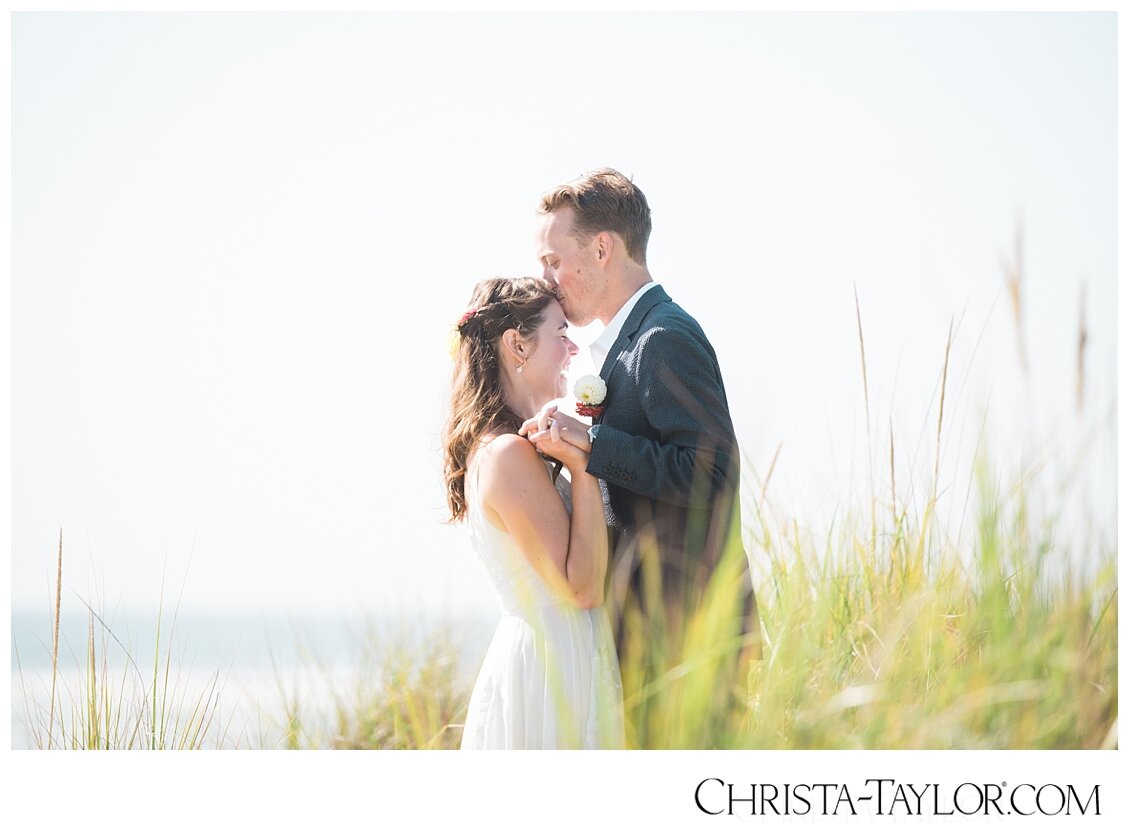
(644, 305)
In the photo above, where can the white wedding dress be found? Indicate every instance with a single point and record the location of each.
(550, 679)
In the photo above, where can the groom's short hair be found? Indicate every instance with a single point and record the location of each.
(605, 200)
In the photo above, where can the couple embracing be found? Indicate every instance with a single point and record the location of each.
(615, 564)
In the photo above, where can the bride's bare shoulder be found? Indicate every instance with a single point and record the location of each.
(505, 451)
(509, 464)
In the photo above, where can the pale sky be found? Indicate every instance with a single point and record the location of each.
(238, 244)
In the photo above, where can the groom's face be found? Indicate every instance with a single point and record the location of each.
(570, 264)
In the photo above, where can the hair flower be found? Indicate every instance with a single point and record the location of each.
(457, 332)
(590, 393)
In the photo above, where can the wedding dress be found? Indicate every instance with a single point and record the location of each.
(550, 679)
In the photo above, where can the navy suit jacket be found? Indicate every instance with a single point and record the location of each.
(667, 459)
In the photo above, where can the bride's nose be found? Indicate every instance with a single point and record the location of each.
(572, 348)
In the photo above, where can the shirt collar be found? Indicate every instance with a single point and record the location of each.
(603, 345)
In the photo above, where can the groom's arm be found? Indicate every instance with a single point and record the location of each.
(691, 455)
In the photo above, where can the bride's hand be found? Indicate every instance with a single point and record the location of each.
(549, 422)
(539, 421)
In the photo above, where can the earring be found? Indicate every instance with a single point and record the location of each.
(519, 368)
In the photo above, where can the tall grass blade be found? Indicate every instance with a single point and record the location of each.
(55, 639)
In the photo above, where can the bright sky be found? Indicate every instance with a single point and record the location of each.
(238, 243)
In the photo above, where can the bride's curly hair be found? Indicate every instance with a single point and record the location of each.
(477, 402)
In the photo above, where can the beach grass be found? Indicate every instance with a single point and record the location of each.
(406, 694)
(892, 645)
(114, 704)
(900, 642)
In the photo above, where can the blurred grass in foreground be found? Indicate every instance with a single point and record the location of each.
(890, 644)
(887, 644)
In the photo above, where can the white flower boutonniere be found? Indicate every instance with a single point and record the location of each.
(590, 393)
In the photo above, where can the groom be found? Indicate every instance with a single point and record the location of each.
(664, 448)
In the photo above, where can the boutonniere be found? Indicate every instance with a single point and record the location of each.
(590, 393)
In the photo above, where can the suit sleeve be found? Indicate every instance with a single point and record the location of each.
(692, 454)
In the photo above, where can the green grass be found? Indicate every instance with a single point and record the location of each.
(114, 704)
(896, 640)
(903, 642)
(883, 633)
(906, 648)
(406, 696)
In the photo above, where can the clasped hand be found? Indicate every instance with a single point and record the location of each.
(559, 436)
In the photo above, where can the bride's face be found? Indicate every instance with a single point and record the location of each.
(545, 366)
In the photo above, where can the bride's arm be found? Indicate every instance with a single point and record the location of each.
(571, 555)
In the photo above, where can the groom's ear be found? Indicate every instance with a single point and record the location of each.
(605, 242)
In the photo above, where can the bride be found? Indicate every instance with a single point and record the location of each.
(550, 678)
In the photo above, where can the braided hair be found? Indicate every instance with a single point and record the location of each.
(478, 403)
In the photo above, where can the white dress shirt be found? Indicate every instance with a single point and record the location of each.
(603, 345)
